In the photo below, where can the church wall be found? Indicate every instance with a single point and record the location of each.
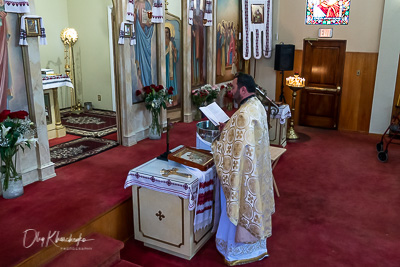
(388, 62)
(55, 18)
(175, 8)
(363, 44)
(362, 33)
(92, 51)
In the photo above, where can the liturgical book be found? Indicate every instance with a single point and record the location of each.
(214, 113)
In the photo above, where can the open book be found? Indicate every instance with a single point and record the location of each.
(214, 113)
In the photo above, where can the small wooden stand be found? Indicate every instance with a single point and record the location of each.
(276, 153)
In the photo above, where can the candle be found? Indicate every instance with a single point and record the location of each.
(295, 81)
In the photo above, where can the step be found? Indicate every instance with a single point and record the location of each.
(98, 250)
(124, 263)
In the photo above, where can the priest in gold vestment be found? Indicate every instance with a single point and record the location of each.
(243, 163)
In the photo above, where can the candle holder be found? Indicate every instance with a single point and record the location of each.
(294, 83)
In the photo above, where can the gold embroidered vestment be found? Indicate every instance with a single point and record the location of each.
(243, 164)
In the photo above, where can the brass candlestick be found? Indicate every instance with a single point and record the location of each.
(291, 134)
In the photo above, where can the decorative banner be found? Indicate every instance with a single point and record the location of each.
(208, 14)
(17, 6)
(127, 30)
(328, 12)
(257, 20)
(157, 11)
(190, 11)
(35, 28)
(130, 11)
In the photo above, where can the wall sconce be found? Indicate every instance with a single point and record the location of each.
(149, 14)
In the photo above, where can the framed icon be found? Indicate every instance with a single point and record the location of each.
(127, 30)
(257, 14)
(32, 26)
(192, 157)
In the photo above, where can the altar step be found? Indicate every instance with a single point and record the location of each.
(99, 250)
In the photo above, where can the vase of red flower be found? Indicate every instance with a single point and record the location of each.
(155, 98)
(16, 131)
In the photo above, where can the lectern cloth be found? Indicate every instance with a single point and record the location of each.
(55, 81)
(283, 113)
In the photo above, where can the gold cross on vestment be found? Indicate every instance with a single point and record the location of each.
(166, 173)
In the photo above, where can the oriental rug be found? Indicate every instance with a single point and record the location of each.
(94, 123)
(72, 151)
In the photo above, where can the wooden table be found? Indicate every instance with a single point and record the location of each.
(276, 153)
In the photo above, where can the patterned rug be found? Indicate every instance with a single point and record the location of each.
(94, 123)
(78, 149)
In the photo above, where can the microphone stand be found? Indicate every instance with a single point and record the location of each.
(282, 96)
(164, 156)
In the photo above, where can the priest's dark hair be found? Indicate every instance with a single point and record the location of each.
(246, 81)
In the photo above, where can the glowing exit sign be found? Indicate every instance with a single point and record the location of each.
(325, 33)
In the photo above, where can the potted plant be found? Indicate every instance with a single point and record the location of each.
(155, 98)
(17, 131)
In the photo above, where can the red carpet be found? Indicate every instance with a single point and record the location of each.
(339, 205)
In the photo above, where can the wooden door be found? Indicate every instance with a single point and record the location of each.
(323, 67)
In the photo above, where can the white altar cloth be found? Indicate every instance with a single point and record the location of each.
(199, 189)
(55, 81)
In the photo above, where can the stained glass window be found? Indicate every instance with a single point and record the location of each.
(328, 12)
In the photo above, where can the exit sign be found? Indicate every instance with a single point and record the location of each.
(325, 33)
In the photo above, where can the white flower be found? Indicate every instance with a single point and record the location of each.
(4, 131)
(20, 140)
(32, 141)
(170, 101)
